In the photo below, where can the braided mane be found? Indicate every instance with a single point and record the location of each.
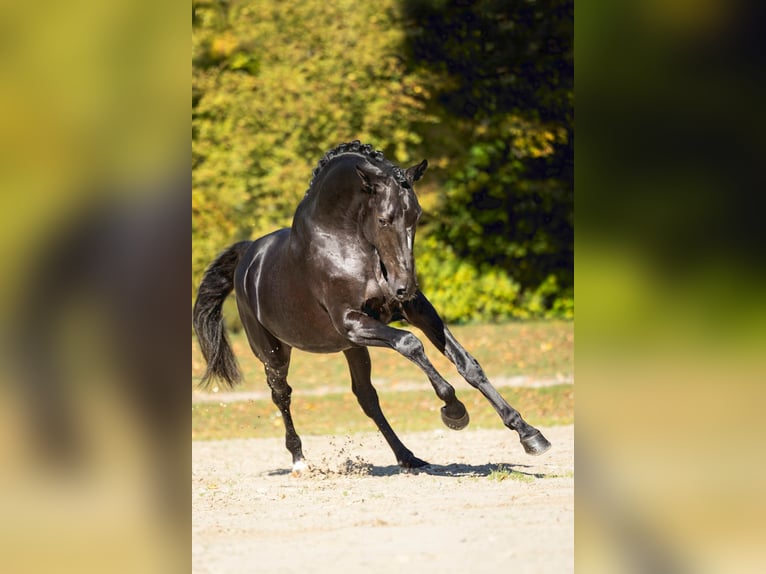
(354, 147)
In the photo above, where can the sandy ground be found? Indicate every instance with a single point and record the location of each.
(355, 511)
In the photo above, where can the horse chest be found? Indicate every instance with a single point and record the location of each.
(377, 305)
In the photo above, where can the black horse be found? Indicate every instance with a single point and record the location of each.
(332, 283)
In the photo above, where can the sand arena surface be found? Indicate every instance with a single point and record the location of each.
(353, 510)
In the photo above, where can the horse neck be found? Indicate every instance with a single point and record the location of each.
(335, 198)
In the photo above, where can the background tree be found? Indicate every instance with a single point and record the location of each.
(502, 85)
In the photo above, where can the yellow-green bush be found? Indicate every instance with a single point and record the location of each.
(459, 290)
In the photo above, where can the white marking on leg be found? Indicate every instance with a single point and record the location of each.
(299, 466)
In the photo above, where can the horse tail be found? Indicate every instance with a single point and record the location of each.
(216, 285)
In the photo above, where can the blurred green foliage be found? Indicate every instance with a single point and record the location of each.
(483, 90)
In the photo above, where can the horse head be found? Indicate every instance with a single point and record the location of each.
(389, 223)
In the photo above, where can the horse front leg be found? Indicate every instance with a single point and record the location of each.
(359, 365)
(365, 331)
(422, 314)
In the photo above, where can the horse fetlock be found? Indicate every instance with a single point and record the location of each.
(410, 346)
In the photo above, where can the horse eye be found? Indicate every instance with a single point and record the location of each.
(382, 221)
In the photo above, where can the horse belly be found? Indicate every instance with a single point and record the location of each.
(304, 326)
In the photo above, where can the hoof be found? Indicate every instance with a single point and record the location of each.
(456, 423)
(412, 463)
(299, 467)
(536, 444)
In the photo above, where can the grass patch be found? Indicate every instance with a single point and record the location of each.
(407, 411)
(539, 349)
(502, 472)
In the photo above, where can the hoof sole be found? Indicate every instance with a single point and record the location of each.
(455, 423)
(536, 444)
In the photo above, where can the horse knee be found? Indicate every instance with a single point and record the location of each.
(469, 368)
(409, 346)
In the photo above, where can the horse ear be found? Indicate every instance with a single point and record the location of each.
(367, 173)
(415, 172)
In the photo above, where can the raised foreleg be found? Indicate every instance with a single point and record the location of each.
(422, 314)
(366, 331)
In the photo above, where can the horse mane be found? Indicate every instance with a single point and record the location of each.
(355, 146)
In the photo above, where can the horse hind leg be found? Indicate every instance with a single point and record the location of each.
(275, 357)
(359, 365)
(281, 394)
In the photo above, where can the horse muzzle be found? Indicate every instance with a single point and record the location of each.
(401, 293)
(403, 290)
